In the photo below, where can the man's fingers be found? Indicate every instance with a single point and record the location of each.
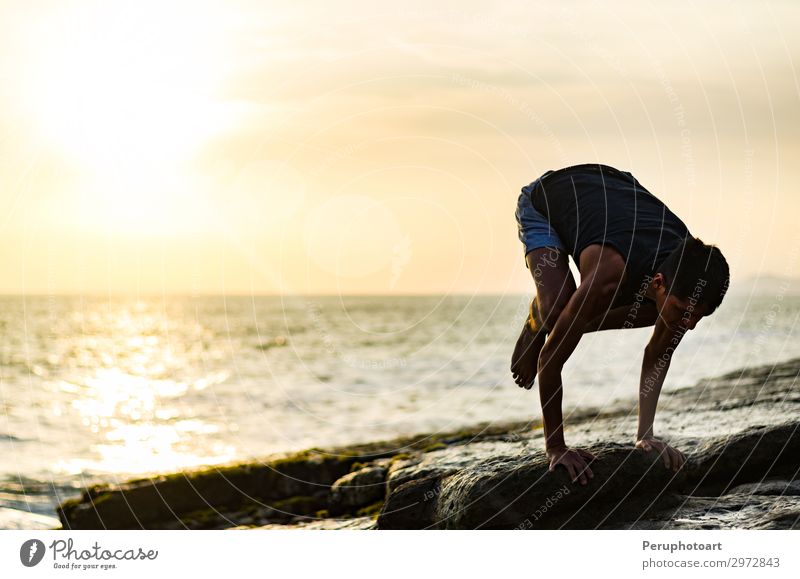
(672, 457)
(585, 475)
(576, 464)
(586, 454)
(579, 472)
(584, 472)
(570, 470)
(587, 472)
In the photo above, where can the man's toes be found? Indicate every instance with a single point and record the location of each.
(524, 381)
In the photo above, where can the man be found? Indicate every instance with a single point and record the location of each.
(639, 266)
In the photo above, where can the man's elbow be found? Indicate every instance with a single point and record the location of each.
(599, 299)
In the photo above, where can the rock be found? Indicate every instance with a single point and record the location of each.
(768, 504)
(412, 505)
(451, 459)
(199, 498)
(749, 456)
(735, 510)
(769, 487)
(739, 431)
(163, 502)
(507, 492)
(506, 484)
(520, 492)
(358, 489)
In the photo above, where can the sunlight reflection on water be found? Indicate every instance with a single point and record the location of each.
(93, 389)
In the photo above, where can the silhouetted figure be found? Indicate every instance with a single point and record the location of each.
(639, 266)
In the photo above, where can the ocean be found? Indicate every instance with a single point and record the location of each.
(102, 389)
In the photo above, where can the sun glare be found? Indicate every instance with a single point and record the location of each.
(127, 98)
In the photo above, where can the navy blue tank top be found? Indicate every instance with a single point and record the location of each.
(594, 203)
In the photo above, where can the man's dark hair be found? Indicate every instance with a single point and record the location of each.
(696, 270)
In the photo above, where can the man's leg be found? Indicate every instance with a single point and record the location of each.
(555, 284)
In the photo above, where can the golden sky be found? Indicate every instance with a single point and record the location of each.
(367, 147)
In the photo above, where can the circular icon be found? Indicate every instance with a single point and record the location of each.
(31, 552)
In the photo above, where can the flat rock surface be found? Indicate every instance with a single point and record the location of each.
(738, 428)
(740, 431)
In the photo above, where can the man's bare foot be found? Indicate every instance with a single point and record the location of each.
(525, 359)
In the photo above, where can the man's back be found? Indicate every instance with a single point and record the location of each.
(591, 203)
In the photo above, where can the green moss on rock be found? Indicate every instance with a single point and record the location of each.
(370, 510)
(434, 446)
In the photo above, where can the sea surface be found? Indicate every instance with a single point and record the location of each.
(100, 389)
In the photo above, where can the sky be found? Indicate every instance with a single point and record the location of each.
(362, 147)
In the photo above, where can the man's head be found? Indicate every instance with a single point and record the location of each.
(690, 283)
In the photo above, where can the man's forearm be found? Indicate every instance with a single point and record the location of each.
(550, 395)
(654, 371)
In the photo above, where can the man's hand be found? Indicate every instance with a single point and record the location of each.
(673, 458)
(575, 460)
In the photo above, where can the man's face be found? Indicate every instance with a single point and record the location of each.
(679, 313)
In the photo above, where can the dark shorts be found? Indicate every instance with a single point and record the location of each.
(534, 230)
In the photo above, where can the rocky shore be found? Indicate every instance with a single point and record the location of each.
(740, 431)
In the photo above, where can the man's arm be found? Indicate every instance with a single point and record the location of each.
(655, 364)
(591, 299)
(624, 317)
